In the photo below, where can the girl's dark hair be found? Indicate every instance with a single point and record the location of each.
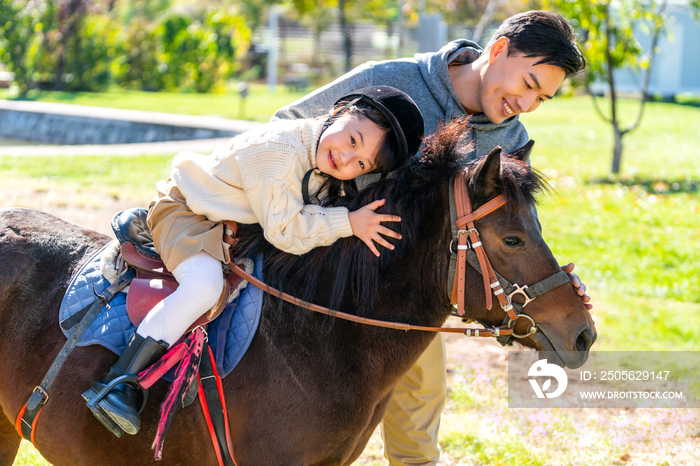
(542, 34)
(386, 154)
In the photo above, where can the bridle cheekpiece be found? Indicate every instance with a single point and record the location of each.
(471, 251)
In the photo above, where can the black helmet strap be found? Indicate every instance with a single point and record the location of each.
(305, 184)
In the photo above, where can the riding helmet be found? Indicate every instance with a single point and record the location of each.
(405, 118)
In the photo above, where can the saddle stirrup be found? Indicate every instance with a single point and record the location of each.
(113, 400)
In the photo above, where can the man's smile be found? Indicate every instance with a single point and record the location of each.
(508, 109)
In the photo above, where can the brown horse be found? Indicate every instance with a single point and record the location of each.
(311, 389)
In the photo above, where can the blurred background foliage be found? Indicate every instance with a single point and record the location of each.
(185, 45)
(85, 45)
(209, 47)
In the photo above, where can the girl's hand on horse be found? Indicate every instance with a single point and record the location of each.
(580, 287)
(366, 225)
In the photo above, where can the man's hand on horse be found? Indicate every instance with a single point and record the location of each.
(580, 287)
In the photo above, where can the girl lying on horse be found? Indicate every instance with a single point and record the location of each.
(260, 177)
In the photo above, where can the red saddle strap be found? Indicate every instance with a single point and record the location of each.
(211, 398)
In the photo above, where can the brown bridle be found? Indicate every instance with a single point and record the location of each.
(468, 246)
(468, 241)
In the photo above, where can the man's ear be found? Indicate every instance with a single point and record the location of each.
(497, 48)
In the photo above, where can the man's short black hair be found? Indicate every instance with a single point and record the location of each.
(542, 34)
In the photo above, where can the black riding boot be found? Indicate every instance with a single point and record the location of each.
(119, 404)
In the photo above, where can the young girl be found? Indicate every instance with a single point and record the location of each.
(259, 177)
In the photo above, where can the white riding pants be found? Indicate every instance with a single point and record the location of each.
(201, 282)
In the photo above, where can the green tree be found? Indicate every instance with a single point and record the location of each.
(254, 11)
(182, 52)
(89, 54)
(149, 10)
(609, 30)
(317, 15)
(74, 45)
(19, 20)
(383, 11)
(69, 18)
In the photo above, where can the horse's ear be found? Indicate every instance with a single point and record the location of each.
(488, 173)
(523, 154)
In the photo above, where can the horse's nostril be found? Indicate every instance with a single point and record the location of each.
(584, 340)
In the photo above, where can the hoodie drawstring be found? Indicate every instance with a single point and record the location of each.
(448, 109)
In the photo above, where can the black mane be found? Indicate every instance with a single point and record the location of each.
(418, 194)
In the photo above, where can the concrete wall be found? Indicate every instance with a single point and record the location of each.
(75, 124)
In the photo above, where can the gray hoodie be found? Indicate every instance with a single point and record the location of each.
(426, 79)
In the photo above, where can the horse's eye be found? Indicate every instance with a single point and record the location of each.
(512, 242)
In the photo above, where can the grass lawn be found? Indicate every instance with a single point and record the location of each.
(260, 104)
(105, 174)
(634, 239)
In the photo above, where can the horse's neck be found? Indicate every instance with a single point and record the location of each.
(413, 290)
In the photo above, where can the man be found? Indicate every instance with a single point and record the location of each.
(522, 66)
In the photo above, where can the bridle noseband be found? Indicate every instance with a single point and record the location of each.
(471, 251)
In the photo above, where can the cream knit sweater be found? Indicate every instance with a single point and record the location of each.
(256, 178)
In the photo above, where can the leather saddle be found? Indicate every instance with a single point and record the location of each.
(153, 281)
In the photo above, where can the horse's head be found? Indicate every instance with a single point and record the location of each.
(512, 239)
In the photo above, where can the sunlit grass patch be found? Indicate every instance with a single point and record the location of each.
(486, 440)
(28, 456)
(633, 323)
(477, 388)
(626, 241)
(128, 177)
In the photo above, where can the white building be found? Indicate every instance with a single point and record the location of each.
(676, 68)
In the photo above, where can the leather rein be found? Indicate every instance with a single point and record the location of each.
(467, 242)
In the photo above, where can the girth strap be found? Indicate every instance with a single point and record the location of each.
(29, 414)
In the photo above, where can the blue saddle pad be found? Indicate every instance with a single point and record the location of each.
(230, 334)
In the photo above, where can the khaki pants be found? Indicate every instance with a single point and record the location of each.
(411, 422)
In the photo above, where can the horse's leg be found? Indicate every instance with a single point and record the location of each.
(364, 437)
(9, 440)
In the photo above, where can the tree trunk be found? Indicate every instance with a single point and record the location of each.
(281, 52)
(389, 31)
(315, 60)
(617, 151)
(485, 20)
(58, 84)
(347, 41)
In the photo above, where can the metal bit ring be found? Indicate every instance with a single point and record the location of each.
(533, 327)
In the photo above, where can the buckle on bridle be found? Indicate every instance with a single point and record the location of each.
(520, 290)
(468, 232)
